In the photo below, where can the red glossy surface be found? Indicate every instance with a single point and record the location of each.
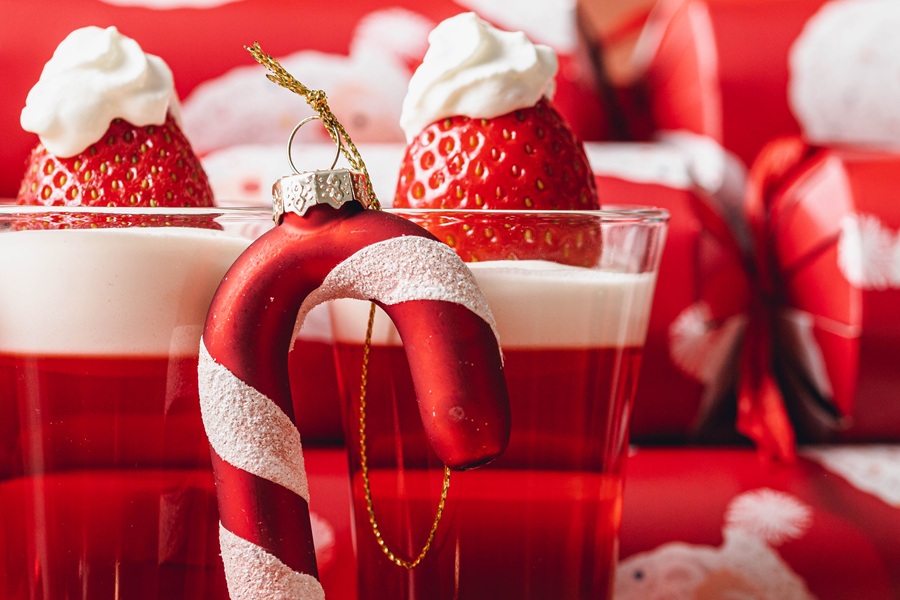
(105, 481)
(538, 522)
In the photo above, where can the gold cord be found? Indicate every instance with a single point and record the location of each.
(318, 101)
(364, 468)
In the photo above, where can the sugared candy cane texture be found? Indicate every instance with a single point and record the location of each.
(450, 341)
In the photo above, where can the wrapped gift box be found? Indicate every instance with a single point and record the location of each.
(720, 68)
(698, 318)
(828, 229)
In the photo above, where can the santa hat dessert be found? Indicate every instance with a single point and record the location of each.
(110, 133)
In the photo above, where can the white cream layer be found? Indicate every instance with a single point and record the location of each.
(538, 304)
(110, 291)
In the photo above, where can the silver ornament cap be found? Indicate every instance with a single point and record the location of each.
(299, 192)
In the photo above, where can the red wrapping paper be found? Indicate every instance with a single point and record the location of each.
(826, 525)
(698, 318)
(827, 226)
(720, 68)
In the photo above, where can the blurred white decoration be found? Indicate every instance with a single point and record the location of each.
(845, 74)
(869, 253)
(550, 22)
(716, 171)
(365, 89)
(799, 338)
(680, 160)
(243, 175)
(873, 468)
(745, 566)
(398, 32)
(641, 162)
(324, 539)
(701, 346)
(774, 517)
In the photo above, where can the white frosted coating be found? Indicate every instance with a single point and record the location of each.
(254, 574)
(473, 69)
(845, 74)
(248, 430)
(91, 292)
(538, 304)
(95, 76)
(399, 270)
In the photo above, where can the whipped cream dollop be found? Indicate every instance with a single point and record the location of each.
(474, 69)
(97, 75)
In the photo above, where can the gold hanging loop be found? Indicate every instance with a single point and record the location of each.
(290, 144)
(318, 101)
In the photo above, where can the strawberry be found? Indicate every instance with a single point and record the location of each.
(527, 159)
(129, 167)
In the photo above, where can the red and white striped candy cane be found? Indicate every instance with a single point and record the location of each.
(319, 253)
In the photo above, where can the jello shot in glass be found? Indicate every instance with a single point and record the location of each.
(106, 488)
(571, 296)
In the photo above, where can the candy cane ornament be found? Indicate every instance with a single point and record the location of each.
(326, 246)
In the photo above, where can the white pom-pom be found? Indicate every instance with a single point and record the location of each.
(774, 517)
(844, 67)
(869, 253)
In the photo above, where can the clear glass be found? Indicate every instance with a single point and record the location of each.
(542, 520)
(106, 489)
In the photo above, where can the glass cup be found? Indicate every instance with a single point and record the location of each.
(542, 520)
(106, 489)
